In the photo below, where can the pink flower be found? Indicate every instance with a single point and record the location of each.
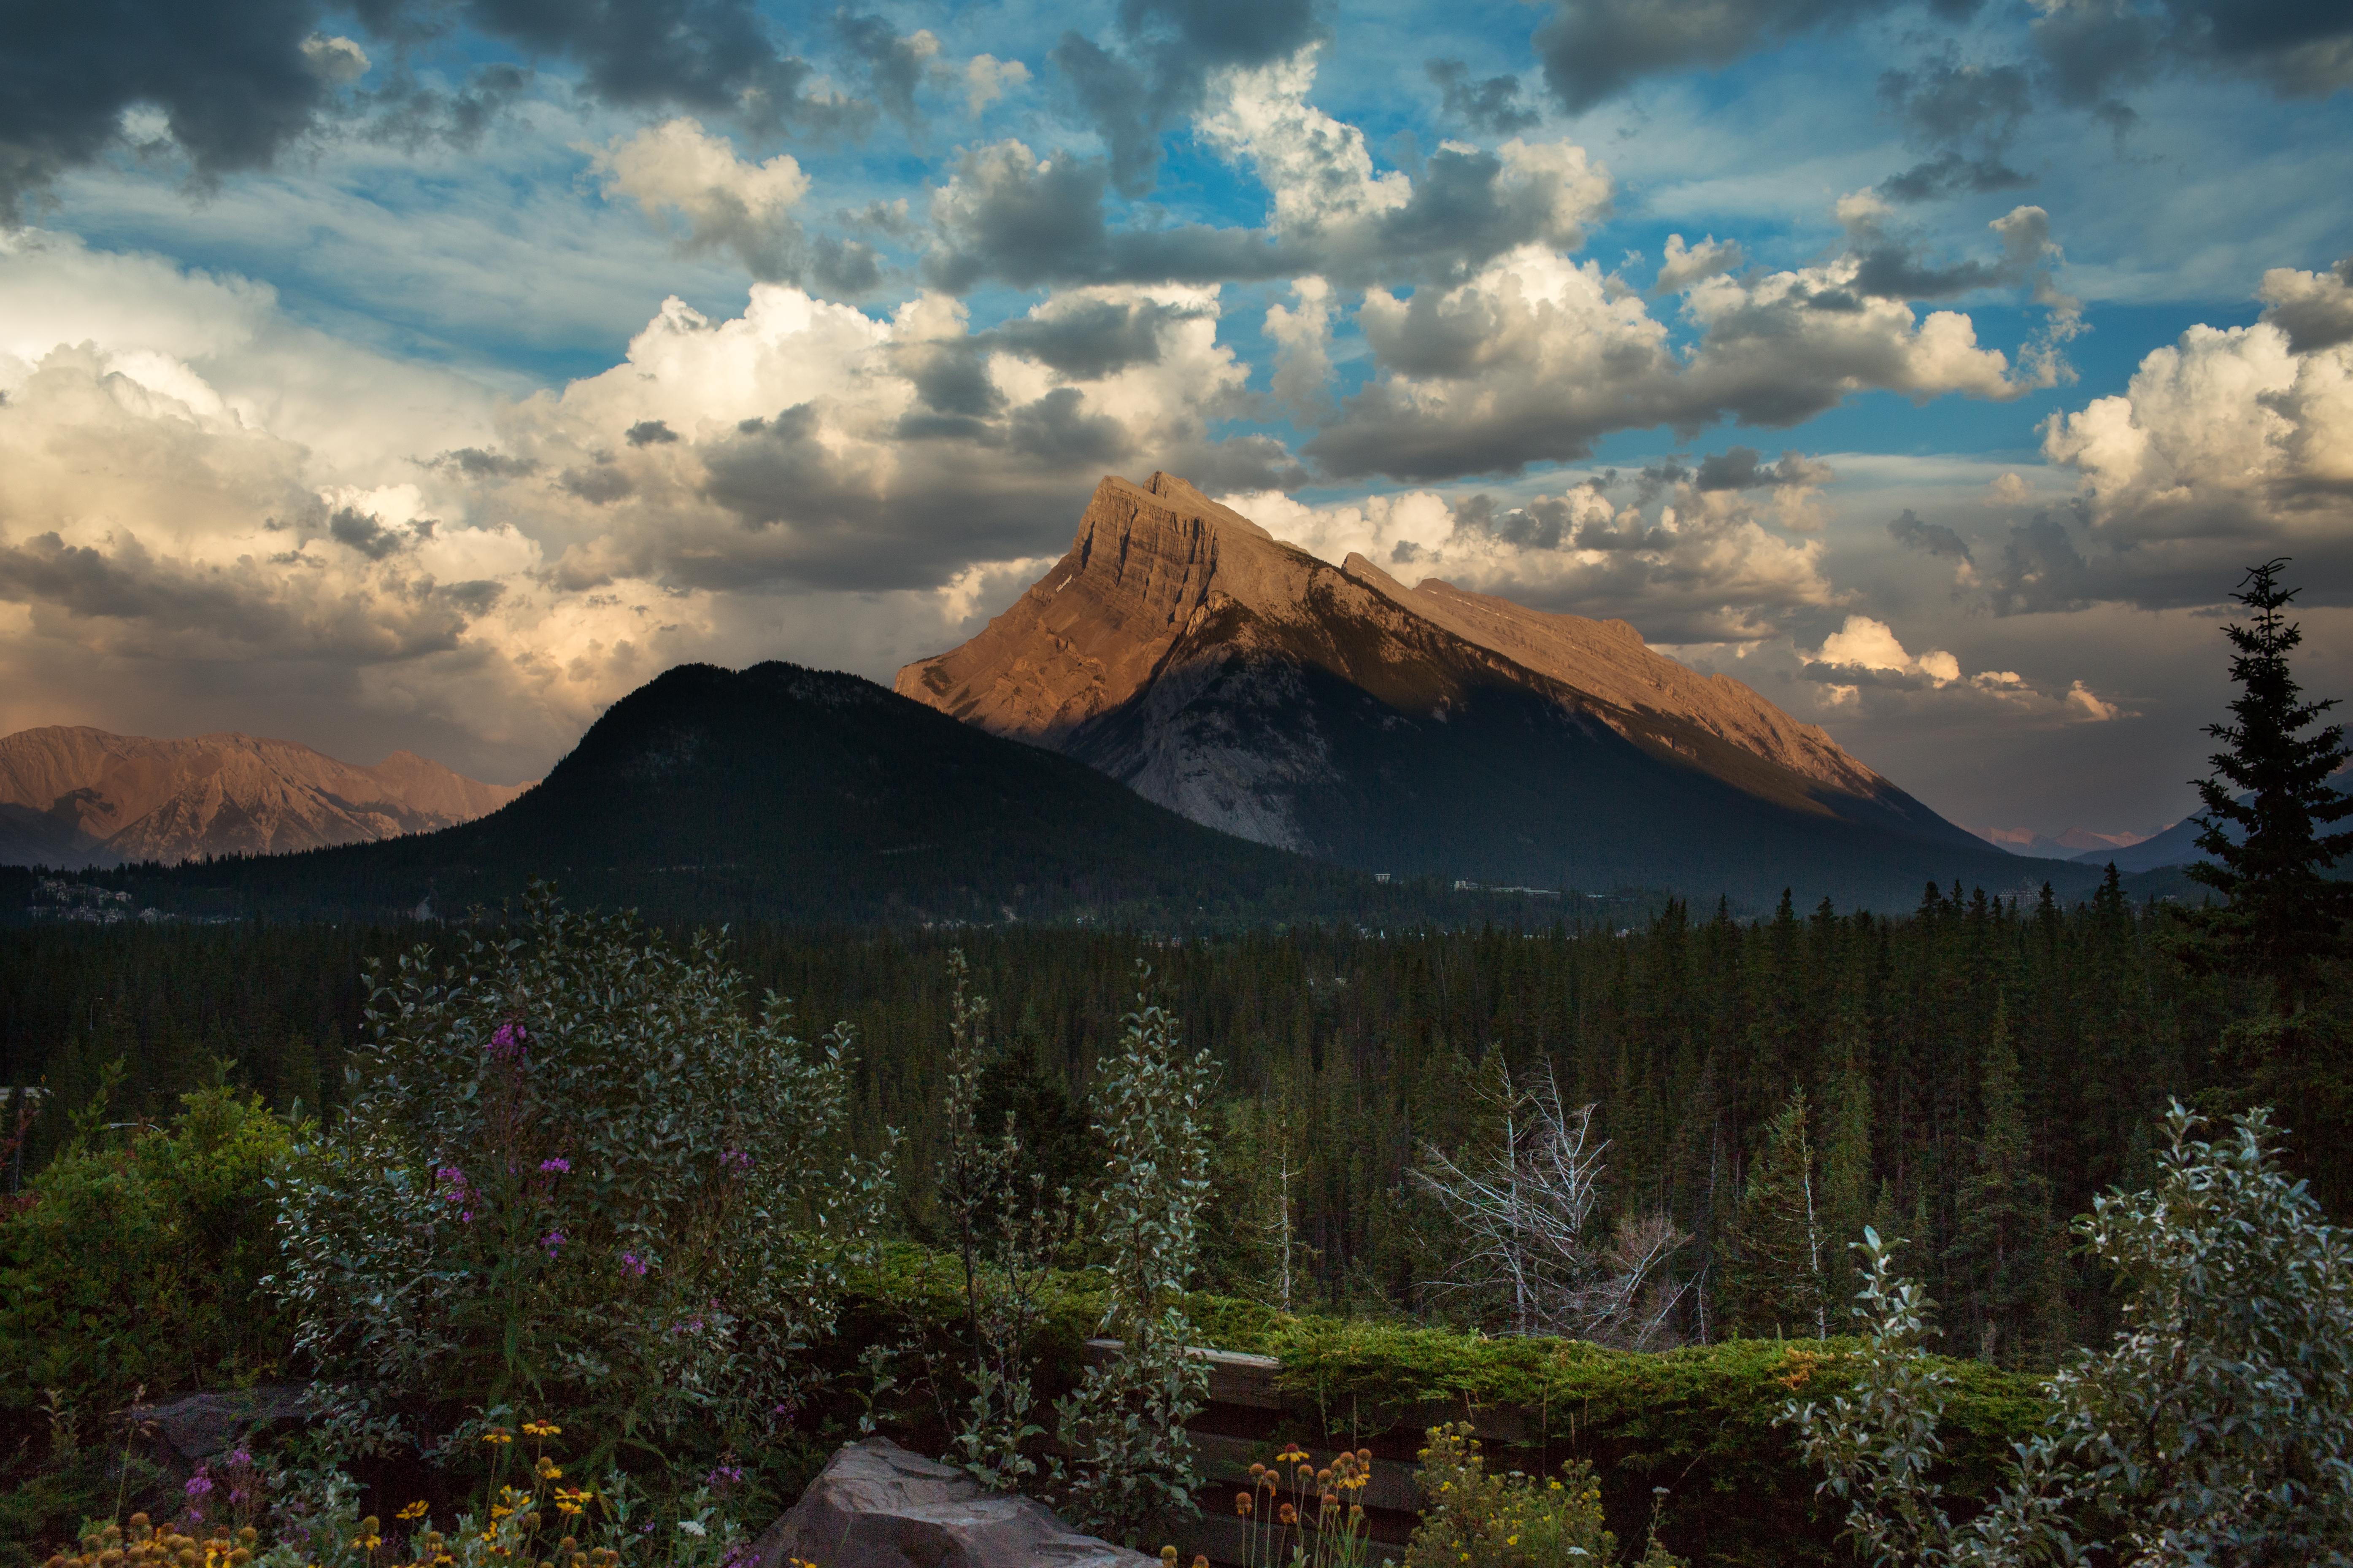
(634, 1264)
(507, 1042)
(198, 1484)
(551, 1240)
(736, 1160)
(559, 1166)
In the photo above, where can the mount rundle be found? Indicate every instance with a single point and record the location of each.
(1240, 681)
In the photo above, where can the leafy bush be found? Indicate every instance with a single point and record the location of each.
(137, 1265)
(2216, 1427)
(1122, 1427)
(577, 1175)
(131, 1268)
(1472, 1515)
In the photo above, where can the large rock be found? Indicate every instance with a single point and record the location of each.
(875, 1505)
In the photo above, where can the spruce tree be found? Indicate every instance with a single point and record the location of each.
(1776, 1284)
(2003, 1245)
(2284, 913)
(1845, 1207)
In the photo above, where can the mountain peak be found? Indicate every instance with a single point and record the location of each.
(1234, 677)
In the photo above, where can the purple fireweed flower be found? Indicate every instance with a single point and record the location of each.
(634, 1264)
(721, 1476)
(236, 1458)
(198, 1484)
(551, 1240)
(559, 1166)
(507, 1042)
(736, 1160)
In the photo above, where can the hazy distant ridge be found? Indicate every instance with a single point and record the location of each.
(71, 795)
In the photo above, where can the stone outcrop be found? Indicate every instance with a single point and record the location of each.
(80, 796)
(875, 1505)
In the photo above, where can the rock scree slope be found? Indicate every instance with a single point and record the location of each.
(1181, 648)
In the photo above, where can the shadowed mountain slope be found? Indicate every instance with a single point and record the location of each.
(1180, 648)
(796, 793)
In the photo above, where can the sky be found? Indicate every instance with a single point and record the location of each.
(429, 373)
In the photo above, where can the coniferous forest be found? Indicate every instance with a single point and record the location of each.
(1968, 1075)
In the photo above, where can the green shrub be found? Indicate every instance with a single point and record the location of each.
(578, 1176)
(137, 1265)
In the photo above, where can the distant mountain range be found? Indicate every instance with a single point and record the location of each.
(71, 796)
(2075, 844)
(1182, 649)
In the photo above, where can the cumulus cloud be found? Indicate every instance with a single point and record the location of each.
(1696, 565)
(1864, 663)
(2228, 446)
(1011, 215)
(1302, 334)
(2314, 309)
(1537, 357)
(1685, 266)
(178, 512)
(677, 168)
(1158, 67)
(988, 79)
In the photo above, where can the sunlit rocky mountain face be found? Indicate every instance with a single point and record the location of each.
(1331, 709)
(71, 796)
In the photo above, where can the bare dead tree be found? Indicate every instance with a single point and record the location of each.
(1524, 1204)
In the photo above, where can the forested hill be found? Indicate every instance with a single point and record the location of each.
(1975, 1070)
(792, 793)
(779, 793)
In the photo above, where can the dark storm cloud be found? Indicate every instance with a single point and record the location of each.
(651, 433)
(1029, 226)
(476, 463)
(232, 82)
(238, 83)
(599, 486)
(2089, 51)
(1545, 523)
(1163, 52)
(894, 64)
(1090, 341)
(197, 608)
(1929, 538)
(2086, 50)
(1967, 116)
(1593, 50)
(1891, 266)
(2041, 569)
(1491, 107)
(1738, 469)
(364, 532)
(1009, 218)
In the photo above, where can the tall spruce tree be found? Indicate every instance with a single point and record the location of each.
(2270, 783)
(1776, 1284)
(2005, 1247)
